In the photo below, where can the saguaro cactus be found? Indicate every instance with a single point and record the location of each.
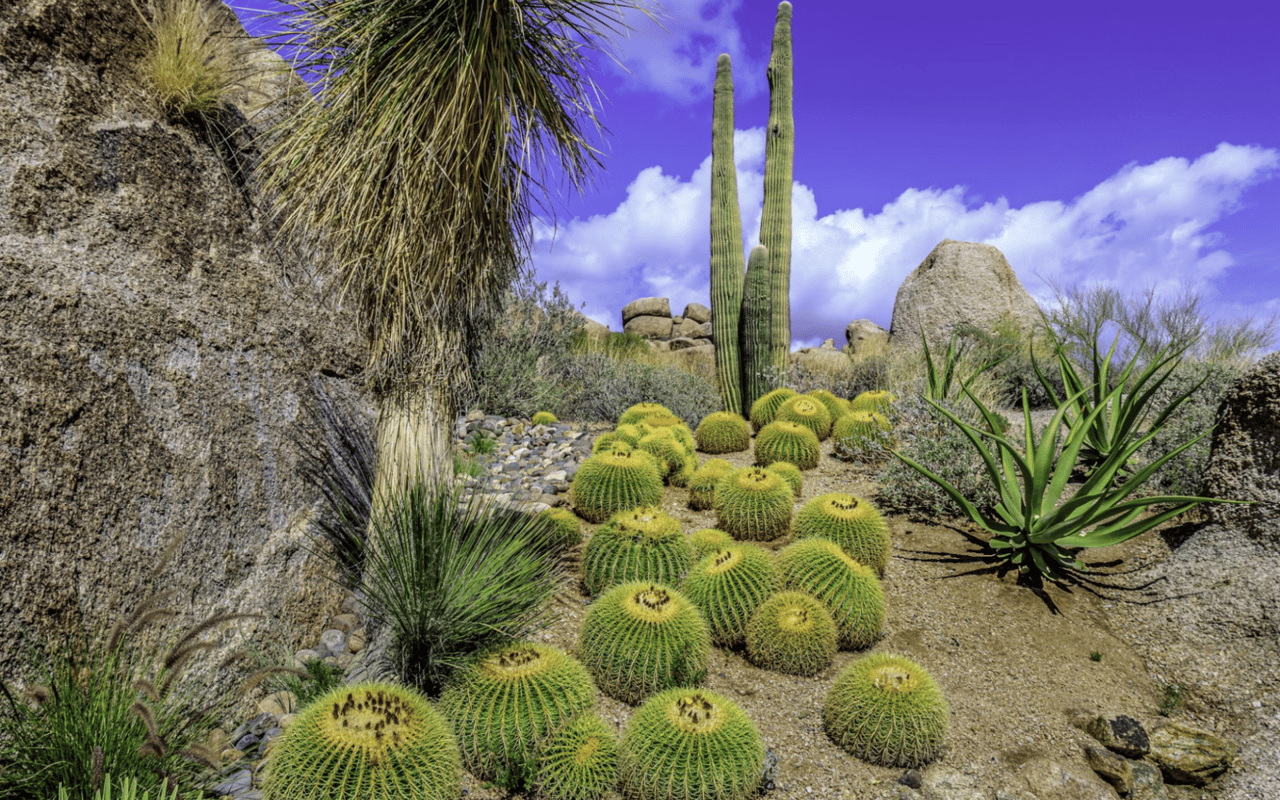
(726, 242)
(753, 327)
(775, 220)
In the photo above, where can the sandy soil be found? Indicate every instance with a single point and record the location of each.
(1013, 660)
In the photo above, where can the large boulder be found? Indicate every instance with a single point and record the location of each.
(959, 283)
(156, 349)
(649, 327)
(646, 307)
(594, 330)
(865, 338)
(1244, 458)
(822, 359)
(697, 312)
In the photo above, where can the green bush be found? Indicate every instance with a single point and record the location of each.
(600, 389)
(927, 438)
(1184, 473)
(451, 576)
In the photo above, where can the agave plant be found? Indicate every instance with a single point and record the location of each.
(941, 379)
(1124, 409)
(1032, 526)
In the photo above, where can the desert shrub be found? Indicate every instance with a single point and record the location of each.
(515, 368)
(190, 64)
(1184, 474)
(927, 438)
(616, 345)
(599, 388)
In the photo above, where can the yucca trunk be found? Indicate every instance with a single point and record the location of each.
(726, 242)
(775, 219)
(413, 443)
(754, 331)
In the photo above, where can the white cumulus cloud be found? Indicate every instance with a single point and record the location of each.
(1145, 225)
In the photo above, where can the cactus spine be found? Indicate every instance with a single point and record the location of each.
(753, 327)
(726, 242)
(775, 219)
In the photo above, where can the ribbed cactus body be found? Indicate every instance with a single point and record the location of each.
(807, 411)
(726, 242)
(579, 761)
(753, 505)
(792, 632)
(790, 473)
(787, 441)
(887, 710)
(702, 486)
(610, 482)
(766, 405)
(850, 591)
(644, 544)
(852, 523)
(753, 327)
(727, 585)
(775, 218)
(723, 432)
(709, 540)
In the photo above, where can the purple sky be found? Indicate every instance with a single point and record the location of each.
(1094, 142)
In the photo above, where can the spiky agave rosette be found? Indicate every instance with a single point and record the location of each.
(887, 710)
(579, 761)
(807, 411)
(690, 744)
(787, 441)
(851, 522)
(850, 591)
(723, 432)
(641, 638)
(369, 741)
(508, 699)
(643, 544)
(728, 585)
(792, 632)
(763, 409)
(753, 505)
(610, 482)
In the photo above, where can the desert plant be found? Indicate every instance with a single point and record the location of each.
(668, 452)
(579, 761)
(764, 408)
(887, 710)
(753, 504)
(544, 418)
(675, 426)
(793, 633)
(755, 328)
(451, 576)
(638, 412)
(600, 388)
(643, 544)
(1184, 474)
(852, 523)
(565, 527)
(727, 266)
(508, 699)
(775, 213)
(642, 638)
(850, 590)
(807, 411)
(727, 585)
(191, 64)
(690, 744)
(942, 382)
(861, 435)
(114, 700)
(878, 400)
(790, 473)
(320, 679)
(709, 540)
(836, 406)
(723, 432)
(1033, 526)
(372, 740)
(619, 346)
(702, 486)
(611, 482)
(128, 791)
(787, 441)
(631, 434)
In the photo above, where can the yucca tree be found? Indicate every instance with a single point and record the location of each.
(413, 172)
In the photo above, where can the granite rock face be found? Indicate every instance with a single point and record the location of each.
(1244, 458)
(959, 283)
(156, 345)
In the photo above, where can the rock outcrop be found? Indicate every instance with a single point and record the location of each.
(865, 338)
(1244, 458)
(959, 283)
(156, 347)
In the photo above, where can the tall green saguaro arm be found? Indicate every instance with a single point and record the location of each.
(754, 330)
(726, 242)
(775, 220)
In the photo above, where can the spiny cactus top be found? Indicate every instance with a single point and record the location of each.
(850, 522)
(887, 710)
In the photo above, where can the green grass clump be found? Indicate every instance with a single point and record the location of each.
(793, 633)
(690, 744)
(544, 418)
(790, 473)
(708, 540)
(644, 544)
(850, 522)
(611, 482)
(723, 432)
(787, 441)
(763, 409)
(190, 64)
(579, 761)
(850, 591)
(641, 638)
(753, 505)
(508, 699)
(808, 411)
(702, 485)
(887, 710)
(365, 742)
(727, 586)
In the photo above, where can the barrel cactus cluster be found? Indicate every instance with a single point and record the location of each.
(643, 544)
